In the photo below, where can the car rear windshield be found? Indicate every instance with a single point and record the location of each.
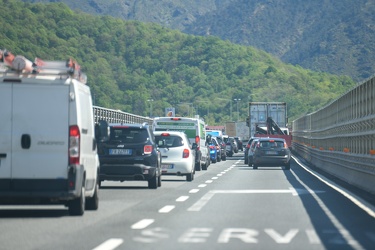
(271, 144)
(128, 135)
(168, 141)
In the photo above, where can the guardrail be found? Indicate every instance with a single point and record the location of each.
(118, 116)
(340, 138)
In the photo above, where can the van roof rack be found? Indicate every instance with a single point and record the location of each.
(19, 65)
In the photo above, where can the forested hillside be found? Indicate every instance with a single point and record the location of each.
(129, 62)
(322, 35)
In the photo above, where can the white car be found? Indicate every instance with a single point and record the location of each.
(178, 154)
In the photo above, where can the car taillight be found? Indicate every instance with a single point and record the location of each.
(197, 141)
(186, 153)
(218, 147)
(212, 147)
(285, 145)
(74, 141)
(248, 146)
(147, 149)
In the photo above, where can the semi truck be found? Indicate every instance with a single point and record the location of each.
(269, 119)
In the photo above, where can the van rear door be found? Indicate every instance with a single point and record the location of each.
(40, 131)
(5, 132)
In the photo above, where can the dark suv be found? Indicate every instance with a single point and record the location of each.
(128, 152)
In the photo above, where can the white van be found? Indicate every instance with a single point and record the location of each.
(194, 128)
(47, 141)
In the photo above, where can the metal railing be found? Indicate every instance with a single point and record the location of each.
(118, 116)
(340, 138)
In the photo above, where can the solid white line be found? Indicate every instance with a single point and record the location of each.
(166, 209)
(182, 198)
(364, 205)
(109, 244)
(340, 228)
(142, 224)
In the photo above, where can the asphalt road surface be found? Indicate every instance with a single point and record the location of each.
(229, 206)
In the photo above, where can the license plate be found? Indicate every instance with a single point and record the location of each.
(167, 166)
(271, 153)
(120, 151)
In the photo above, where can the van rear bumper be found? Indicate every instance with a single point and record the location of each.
(42, 191)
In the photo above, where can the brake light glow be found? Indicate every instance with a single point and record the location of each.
(248, 146)
(147, 149)
(197, 141)
(165, 134)
(285, 145)
(175, 119)
(186, 153)
(212, 147)
(74, 142)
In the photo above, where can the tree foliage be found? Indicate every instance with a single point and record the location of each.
(129, 63)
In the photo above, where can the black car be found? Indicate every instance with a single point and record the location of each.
(247, 149)
(128, 152)
(271, 152)
(239, 143)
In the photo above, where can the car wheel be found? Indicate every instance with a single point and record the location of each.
(189, 177)
(246, 160)
(287, 166)
(197, 166)
(159, 180)
(255, 167)
(204, 166)
(224, 157)
(153, 182)
(92, 203)
(77, 206)
(214, 161)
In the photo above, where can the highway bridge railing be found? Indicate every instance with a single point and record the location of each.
(340, 137)
(118, 116)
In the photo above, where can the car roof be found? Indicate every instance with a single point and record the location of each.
(271, 138)
(179, 133)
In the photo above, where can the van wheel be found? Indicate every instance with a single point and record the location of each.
(153, 182)
(77, 206)
(224, 158)
(93, 202)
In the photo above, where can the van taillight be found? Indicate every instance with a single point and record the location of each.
(74, 141)
(186, 153)
(147, 149)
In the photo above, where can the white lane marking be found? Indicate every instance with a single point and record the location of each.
(219, 174)
(182, 198)
(109, 244)
(344, 233)
(209, 181)
(223, 172)
(142, 224)
(214, 178)
(205, 198)
(193, 191)
(364, 205)
(202, 185)
(166, 209)
(201, 202)
(313, 236)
